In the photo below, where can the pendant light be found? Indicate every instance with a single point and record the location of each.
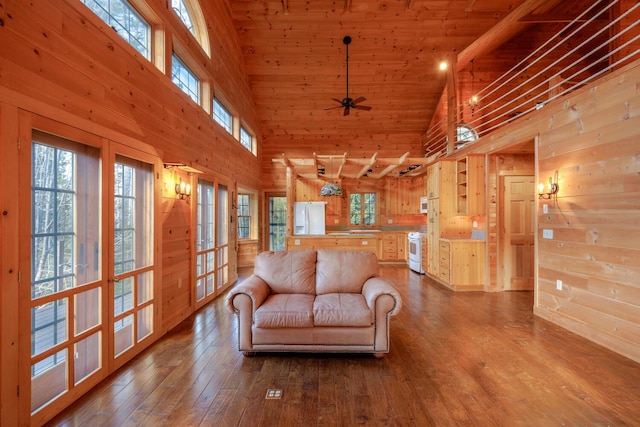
(331, 188)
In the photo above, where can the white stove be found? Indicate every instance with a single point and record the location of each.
(415, 252)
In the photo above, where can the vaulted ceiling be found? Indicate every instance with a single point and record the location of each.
(295, 57)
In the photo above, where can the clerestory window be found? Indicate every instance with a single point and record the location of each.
(126, 21)
(185, 79)
(222, 116)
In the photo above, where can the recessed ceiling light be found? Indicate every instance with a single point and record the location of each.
(443, 66)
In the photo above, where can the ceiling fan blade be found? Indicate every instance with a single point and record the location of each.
(361, 107)
(337, 100)
(333, 108)
(358, 100)
(346, 111)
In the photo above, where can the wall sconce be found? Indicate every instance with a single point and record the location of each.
(473, 103)
(183, 190)
(551, 189)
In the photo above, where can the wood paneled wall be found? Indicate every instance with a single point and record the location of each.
(590, 137)
(60, 61)
(592, 144)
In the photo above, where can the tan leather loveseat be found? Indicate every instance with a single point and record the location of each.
(318, 301)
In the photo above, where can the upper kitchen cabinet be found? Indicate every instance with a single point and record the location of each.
(470, 188)
(440, 177)
(433, 181)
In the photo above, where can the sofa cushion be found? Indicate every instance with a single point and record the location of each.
(341, 310)
(285, 311)
(344, 271)
(287, 272)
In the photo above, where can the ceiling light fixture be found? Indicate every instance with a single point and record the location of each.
(331, 188)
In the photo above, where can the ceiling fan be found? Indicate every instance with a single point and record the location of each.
(348, 103)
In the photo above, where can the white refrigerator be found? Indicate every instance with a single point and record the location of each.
(308, 218)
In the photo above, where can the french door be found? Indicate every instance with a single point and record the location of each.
(277, 208)
(91, 303)
(212, 240)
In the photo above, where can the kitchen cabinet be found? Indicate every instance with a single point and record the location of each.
(462, 264)
(355, 242)
(433, 237)
(433, 181)
(393, 246)
(470, 188)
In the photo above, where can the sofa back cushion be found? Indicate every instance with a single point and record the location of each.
(344, 271)
(287, 272)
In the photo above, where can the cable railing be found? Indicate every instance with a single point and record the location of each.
(588, 47)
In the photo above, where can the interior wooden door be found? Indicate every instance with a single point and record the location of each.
(518, 237)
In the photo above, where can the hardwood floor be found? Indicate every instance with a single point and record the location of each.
(456, 359)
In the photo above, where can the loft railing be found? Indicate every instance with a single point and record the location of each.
(601, 39)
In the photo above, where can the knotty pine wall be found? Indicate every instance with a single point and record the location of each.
(591, 137)
(593, 144)
(60, 61)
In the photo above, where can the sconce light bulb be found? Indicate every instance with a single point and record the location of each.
(540, 188)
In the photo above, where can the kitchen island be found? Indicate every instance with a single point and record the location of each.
(361, 240)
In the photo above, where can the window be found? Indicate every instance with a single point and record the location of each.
(277, 222)
(190, 13)
(244, 216)
(180, 8)
(464, 135)
(222, 116)
(362, 208)
(120, 16)
(184, 78)
(246, 139)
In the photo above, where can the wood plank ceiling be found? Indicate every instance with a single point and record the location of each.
(295, 58)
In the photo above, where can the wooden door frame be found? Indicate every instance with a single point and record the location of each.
(501, 248)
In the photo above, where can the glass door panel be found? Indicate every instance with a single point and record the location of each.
(277, 222)
(133, 255)
(205, 240)
(222, 246)
(65, 292)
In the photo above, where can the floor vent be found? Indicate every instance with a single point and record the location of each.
(274, 393)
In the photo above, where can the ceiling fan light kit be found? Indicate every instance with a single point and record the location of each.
(348, 103)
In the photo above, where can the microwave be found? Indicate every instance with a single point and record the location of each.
(424, 203)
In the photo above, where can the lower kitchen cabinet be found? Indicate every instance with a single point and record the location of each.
(462, 264)
(393, 246)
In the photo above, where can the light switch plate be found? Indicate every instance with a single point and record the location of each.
(547, 234)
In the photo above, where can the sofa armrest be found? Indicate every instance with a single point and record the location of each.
(375, 287)
(254, 287)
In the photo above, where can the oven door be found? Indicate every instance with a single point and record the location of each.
(415, 254)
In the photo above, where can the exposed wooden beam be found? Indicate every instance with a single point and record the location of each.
(344, 160)
(315, 164)
(367, 166)
(389, 168)
(504, 30)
